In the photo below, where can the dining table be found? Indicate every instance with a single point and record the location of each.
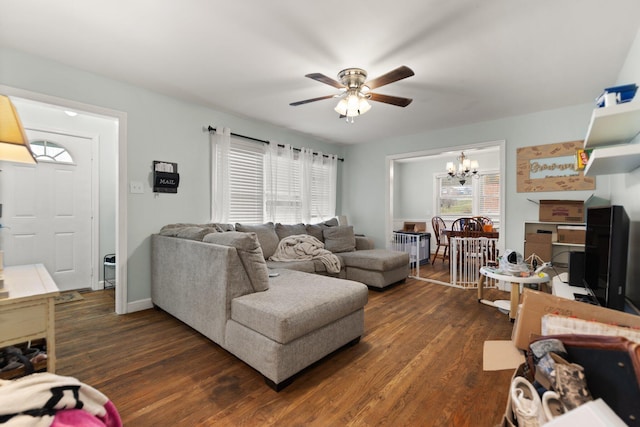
(468, 233)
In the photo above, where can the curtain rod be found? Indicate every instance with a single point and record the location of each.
(212, 129)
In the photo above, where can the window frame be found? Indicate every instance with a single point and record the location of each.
(475, 184)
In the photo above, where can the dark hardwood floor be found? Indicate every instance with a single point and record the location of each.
(418, 364)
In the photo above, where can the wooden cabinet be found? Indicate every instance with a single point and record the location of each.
(29, 312)
(610, 130)
(559, 251)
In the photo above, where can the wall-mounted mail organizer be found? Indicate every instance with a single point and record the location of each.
(165, 177)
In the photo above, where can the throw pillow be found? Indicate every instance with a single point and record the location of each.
(286, 230)
(266, 236)
(186, 231)
(222, 227)
(250, 254)
(333, 222)
(315, 230)
(340, 238)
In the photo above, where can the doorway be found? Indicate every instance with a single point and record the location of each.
(117, 125)
(409, 196)
(49, 216)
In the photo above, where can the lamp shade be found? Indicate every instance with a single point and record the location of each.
(14, 145)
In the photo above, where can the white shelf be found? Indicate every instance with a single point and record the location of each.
(612, 125)
(580, 245)
(615, 159)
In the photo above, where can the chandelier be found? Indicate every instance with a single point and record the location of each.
(466, 169)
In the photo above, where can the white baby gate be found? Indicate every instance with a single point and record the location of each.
(417, 245)
(467, 255)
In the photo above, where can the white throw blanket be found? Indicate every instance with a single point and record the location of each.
(304, 247)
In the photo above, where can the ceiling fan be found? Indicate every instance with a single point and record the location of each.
(356, 91)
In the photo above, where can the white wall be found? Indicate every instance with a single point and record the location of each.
(413, 183)
(158, 128)
(367, 166)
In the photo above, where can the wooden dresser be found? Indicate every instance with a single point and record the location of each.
(28, 313)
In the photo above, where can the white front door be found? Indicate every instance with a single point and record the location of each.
(47, 212)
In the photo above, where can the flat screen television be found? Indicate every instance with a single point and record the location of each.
(606, 251)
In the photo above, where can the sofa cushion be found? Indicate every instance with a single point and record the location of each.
(298, 303)
(249, 252)
(266, 236)
(220, 226)
(339, 239)
(315, 230)
(333, 222)
(286, 230)
(187, 231)
(375, 259)
(307, 265)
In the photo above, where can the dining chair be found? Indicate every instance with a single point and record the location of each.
(466, 224)
(486, 223)
(438, 225)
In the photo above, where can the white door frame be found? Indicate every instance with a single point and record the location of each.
(390, 163)
(95, 195)
(121, 189)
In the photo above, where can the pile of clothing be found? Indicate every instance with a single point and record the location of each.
(45, 399)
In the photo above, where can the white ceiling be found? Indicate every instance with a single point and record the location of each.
(473, 60)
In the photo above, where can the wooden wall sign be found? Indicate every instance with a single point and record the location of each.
(551, 167)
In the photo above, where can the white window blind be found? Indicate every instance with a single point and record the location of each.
(258, 193)
(246, 182)
(489, 200)
(322, 192)
(284, 199)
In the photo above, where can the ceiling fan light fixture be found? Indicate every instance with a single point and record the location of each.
(352, 105)
(355, 92)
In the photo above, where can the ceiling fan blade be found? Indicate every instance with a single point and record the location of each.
(393, 100)
(392, 76)
(324, 79)
(306, 101)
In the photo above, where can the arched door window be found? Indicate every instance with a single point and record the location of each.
(47, 151)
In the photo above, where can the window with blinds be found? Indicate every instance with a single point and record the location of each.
(321, 193)
(286, 203)
(249, 202)
(489, 195)
(478, 197)
(246, 182)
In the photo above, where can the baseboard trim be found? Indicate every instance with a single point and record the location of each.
(143, 304)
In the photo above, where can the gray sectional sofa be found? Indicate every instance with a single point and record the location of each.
(376, 268)
(278, 319)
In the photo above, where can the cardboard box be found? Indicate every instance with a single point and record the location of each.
(561, 211)
(536, 304)
(415, 227)
(539, 244)
(572, 234)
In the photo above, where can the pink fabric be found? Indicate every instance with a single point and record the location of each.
(78, 417)
(74, 418)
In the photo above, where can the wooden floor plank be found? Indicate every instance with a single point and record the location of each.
(419, 363)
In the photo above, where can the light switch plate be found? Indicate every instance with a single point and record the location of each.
(136, 187)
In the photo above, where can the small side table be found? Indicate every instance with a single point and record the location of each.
(516, 283)
(28, 313)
